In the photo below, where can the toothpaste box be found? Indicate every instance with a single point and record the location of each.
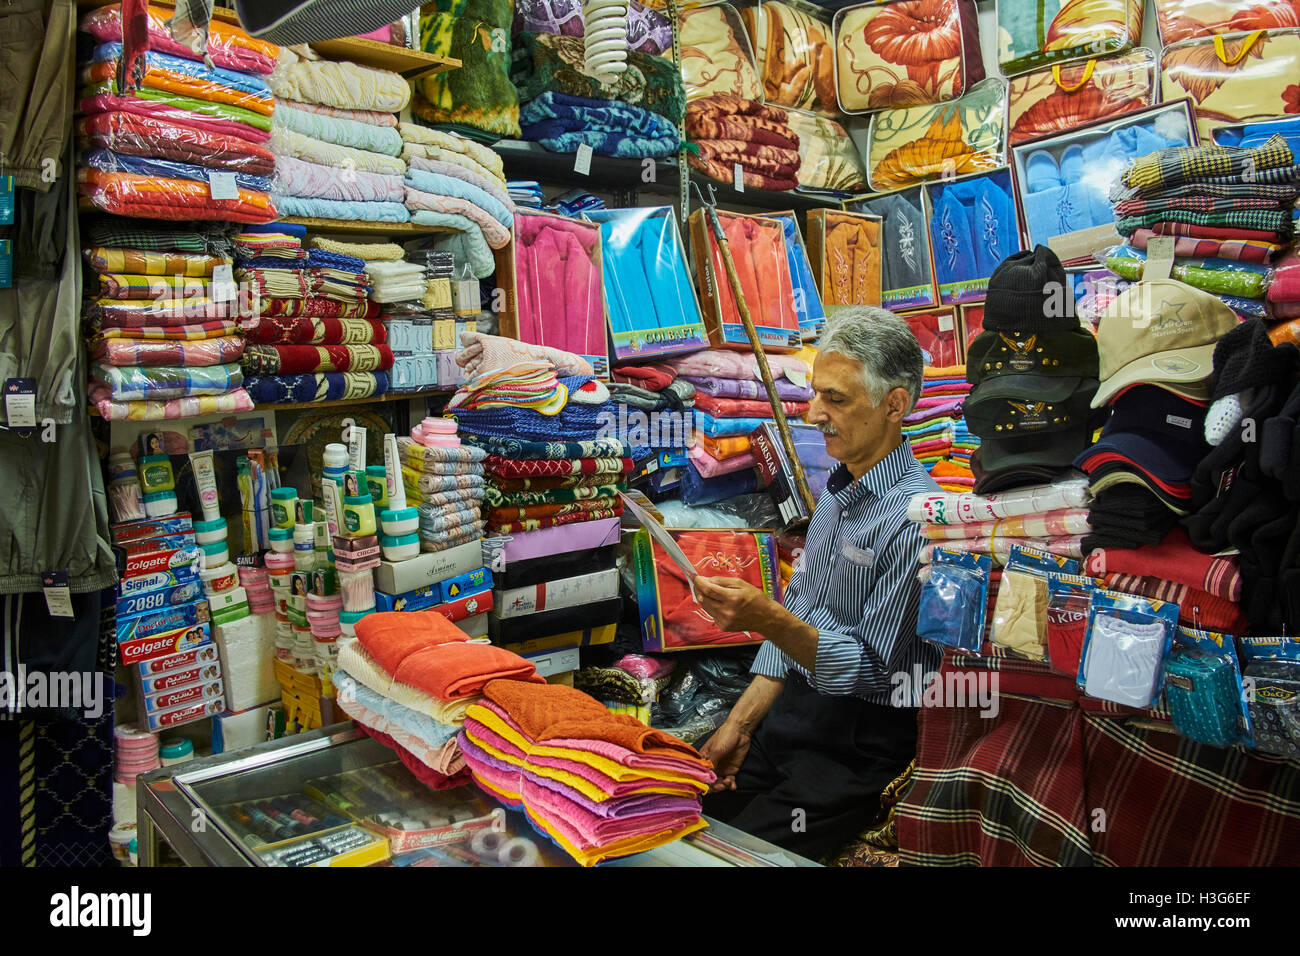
(153, 527)
(176, 679)
(146, 601)
(198, 657)
(170, 542)
(153, 562)
(160, 645)
(183, 715)
(158, 580)
(469, 582)
(183, 696)
(467, 606)
(161, 621)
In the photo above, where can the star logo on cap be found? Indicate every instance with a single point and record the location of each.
(1175, 365)
(1168, 320)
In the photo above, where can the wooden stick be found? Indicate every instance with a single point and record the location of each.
(764, 370)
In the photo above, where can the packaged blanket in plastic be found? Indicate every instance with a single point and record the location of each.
(716, 57)
(125, 314)
(217, 351)
(130, 134)
(99, 100)
(1220, 276)
(164, 382)
(795, 56)
(249, 123)
(228, 46)
(236, 400)
(139, 262)
(173, 74)
(194, 332)
(110, 162)
(562, 123)
(127, 194)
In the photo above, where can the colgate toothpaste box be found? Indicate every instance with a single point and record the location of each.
(176, 679)
(184, 715)
(161, 621)
(169, 542)
(152, 528)
(158, 580)
(199, 657)
(147, 601)
(155, 562)
(160, 645)
(183, 696)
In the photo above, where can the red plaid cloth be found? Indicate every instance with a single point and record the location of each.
(555, 467)
(1025, 787)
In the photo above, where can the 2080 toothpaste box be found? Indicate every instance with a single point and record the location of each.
(144, 601)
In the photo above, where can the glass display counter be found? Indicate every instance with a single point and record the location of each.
(335, 797)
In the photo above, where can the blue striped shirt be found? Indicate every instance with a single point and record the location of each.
(857, 584)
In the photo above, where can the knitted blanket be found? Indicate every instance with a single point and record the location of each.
(505, 447)
(277, 330)
(725, 116)
(339, 84)
(341, 132)
(310, 359)
(298, 177)
(562, 123)
(544, 61)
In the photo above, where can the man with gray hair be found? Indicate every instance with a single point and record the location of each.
(820, 732)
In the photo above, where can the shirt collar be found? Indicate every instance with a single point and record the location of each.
(882, 476)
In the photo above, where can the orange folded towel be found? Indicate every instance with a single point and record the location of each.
(389, 637)
(460, 670)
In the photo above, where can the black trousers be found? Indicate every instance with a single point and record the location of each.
(815, 770)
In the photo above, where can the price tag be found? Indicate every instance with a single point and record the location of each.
(222, 185)
(1160, 258)
(6, 200)
(6, 263)
(20, 402)
(223, 283)
(945, 323)
(582, 160)
(58, 599)
(738, 177)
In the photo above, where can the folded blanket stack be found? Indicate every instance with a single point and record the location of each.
(478, 97)
(656, 389)
(1230, 210)
(562, 122)
(731, 131)
(408, 679)
(937, 431)
(315, 336)
(162, 345)
(444, 479)
(335, 140)
(181, 139)
(545, 62)
(599, 785)
(454, 182)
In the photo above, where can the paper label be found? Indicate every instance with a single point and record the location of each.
(738, 177)
(6, 200)
(582, 160)
(222, 185)
(57, 596)
(20, 402)
(1160, 258)
(223, 283)
(946, 323)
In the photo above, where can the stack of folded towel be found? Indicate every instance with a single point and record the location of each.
(408, 679)
(937, 431)
(525, 192)
(1230, 210)
(454, 182)
(655, 388)
(316, 336)
(152, 145)
(445, 477)
(337, 149)
(600, 786)
(163, 346)
(731, 131)
(396, 281)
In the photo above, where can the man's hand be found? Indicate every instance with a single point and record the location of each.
(727, 749)
(735, 605)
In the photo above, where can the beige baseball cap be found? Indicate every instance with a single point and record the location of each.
(1162, 332)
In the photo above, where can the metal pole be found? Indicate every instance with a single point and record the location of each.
(782, 426)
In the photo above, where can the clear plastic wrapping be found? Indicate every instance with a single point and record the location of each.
(133, 134)
(1233, 277)
(1060, 98)
(172, 74)
(124, 352)
(109, 162)
(648, 293)
(228, 46)
(829, 162)
(907, 272)
(716, 57)
(954, 600)
(1037, 33)
(1271, 676)
(127, 194)
(1124, 648)
(559, 292)
(1203, 690)
(138, 384)
(794, 52)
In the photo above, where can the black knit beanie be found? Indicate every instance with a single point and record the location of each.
(1030, 291)
(1246, 358)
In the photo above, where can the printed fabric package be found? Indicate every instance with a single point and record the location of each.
(649, 297)
(1203, 690)
(828, 160)
(228, 46)
(795, 56)
(905, 53)
(1271, 665)
(1179, 20)
(907, 273)
(910, 145)
(1237, 78)
(954, 599)
(1037, 33)
(716, 57)
(973, 227)
(1061, 98)
(1125, 647)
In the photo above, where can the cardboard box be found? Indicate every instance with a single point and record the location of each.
(664, 606)
(588, 637)
(476, 626)
(139, 649)
(185, 715)
(1077, 245)
(159, 599)
(907, 267)
(201, 657)
(555, 662)
(776, 474)
(553, 595)
(246, 728)
(725, 328)
(401, 576)
(161, 621)
(618, 229)
(129, 531)
(961, 275)
(822, 232)
(807, 300)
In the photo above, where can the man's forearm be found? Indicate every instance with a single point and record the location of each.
(755, 702)
(796, 637)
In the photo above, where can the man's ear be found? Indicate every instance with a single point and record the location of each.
(896, 403)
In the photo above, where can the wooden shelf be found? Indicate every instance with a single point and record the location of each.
(292, 406)
(362, 226)
(402, 60)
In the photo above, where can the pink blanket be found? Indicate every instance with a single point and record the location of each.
(297, 177)
(217, 351)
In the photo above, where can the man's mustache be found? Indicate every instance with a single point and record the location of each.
(826, 429)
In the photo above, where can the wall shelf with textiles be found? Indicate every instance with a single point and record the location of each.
(341, 403)
(525, 160)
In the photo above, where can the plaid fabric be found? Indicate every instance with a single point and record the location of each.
(215, 329)
(1283, 175)
(498, 498)
(1024, 787)
(515, 448)
(1281, 193)
(103, 259)
(1276, 222)
(1208, 205)
(1242, 250)
(1195, 607)
(214, 239)
(1186, 164)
